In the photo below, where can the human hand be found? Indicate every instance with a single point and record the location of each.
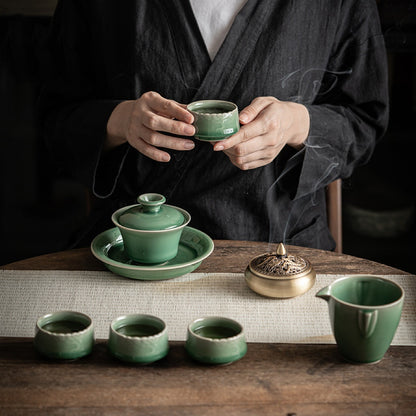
(267, 126)
(142, 123)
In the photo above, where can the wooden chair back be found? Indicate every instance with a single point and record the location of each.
(334, 209)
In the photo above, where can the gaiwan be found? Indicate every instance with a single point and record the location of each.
(151, 229)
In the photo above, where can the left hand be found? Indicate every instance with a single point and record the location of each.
(267, 126)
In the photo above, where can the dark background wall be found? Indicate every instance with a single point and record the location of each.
(39, 208)
(379, 200)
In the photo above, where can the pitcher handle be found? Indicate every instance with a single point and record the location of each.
(367, 321)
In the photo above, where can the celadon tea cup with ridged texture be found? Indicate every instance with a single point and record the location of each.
(364, 312)
(215, 340)
(64, 335)
(214, 120)
(138, 338)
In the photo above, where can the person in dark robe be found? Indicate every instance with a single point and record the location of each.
(309, 78)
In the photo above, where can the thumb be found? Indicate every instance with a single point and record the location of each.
(249, 113)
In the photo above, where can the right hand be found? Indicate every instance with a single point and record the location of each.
(140, 123)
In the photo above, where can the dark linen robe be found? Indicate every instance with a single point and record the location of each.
(328, 55)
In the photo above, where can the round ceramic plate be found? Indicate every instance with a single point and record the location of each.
(194, 246)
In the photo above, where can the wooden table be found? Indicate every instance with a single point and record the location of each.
(272, 379)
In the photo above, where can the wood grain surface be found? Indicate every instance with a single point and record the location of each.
(272, 379)
(228, 256)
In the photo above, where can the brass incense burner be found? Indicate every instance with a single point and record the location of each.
(280, 275)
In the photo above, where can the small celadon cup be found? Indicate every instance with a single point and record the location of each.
(138, 338)
(364, 312)
(151, 229)
(64, 335)
(214, 120)
(215, 340)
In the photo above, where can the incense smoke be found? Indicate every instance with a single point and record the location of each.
(313, 83)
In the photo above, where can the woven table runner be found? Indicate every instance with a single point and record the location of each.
(27, 295)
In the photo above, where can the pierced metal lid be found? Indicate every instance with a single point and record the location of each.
(279, 265)
(279, 274)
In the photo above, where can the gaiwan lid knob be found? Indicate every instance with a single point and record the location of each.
(151, 214)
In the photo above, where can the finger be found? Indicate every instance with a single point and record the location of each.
(168, 108)
(248, 114)
(150, 151)
(255, 159)
(245, 149)
(253, 153)
(157, 139)
(246, 133)
(185, 107)
(157, 122)
(251, 162)
(250, 150)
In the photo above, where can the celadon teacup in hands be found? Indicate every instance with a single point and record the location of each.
(364, 312)
(214, 120)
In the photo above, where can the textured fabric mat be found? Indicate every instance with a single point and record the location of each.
(27, 295)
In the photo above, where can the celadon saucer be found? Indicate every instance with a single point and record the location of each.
(194, 246)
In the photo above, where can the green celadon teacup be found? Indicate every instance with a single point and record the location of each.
(138, 338)
(215, 340)
(364, 312)
(64, 335)
(214, 120)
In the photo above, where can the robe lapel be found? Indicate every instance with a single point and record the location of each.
(235, 51)
(205, 79)
(192, 54)
(218, 78)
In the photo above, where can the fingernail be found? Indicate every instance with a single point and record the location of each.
(189, 130)
(243, 118)
(189, 145)
(219, 148)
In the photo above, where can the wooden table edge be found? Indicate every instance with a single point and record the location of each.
(229, 256)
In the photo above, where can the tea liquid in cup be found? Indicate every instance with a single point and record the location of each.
(364, 312)
(138, 338)
(214, 120)
(64, 335)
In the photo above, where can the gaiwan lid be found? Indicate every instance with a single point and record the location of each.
(280, 275)
(151, 214)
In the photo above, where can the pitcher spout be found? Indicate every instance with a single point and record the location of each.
(324, 293)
